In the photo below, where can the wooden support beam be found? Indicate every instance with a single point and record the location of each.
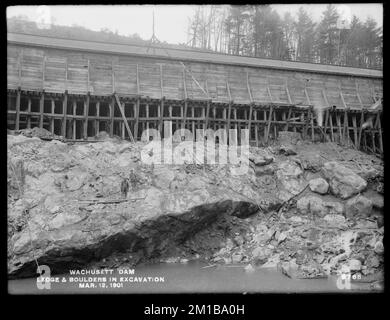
(288, 118)
(270, 98)
(64, 109)
(52, 117)
(161, 121)
(338, 119)
(355, 134)
(193, 78)
(249, 88)
(74, 119)
(342, 96)
(250, 121)
(275, 126)
(256, 129)
(207, 114)
(185, 114)
(288, 92)
(124, 117)
(331, 125)
(41, 105)
(307, 96)
(346, 129)
(29, 113)
(97, 124)
(268, 124)
(326, 124)
(17, 114)
(361, 126)
(112, 104)
(86, 111)
(136, 116)
(312, 124)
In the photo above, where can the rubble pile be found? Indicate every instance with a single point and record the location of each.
(306, 209)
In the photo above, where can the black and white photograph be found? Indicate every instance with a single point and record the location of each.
(156, 149)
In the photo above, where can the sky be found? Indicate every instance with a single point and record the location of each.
(171, 21)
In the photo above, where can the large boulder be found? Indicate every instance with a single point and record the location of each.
(358, 206)
(290, 179)
(343, 182)
(319, 185)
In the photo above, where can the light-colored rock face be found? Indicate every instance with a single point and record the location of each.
(358, 206)
(319, 185)
(290, 179)
(343, 182)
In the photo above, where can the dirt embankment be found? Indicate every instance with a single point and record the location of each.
(309, 209)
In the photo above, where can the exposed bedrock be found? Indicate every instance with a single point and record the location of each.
(65, 206)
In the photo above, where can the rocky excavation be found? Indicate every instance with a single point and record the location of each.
(307, 209)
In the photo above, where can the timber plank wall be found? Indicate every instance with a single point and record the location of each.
(36, 63)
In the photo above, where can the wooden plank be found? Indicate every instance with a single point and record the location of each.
(20, 56)
(331, 125)
(138, 85)
(193, 78)
(88, 87)
(358, 95)
(43, 72)
(207, 114)
(136, 116)
(339, 126)
(41, 105)
(250, 120)
(86, 111)
(288, 118)
(288, 91)
(346, 130)
(52, 118)
(17, 119)
(248, 88)
(185, 114)
(361, 127)
(270, 97)
(28, 112)
(256, 129)
(160, 126)
(355, 134)
(112, 80)
(325, 130)
(97, 124)
(269, 124)
(111, 106)
(64, 108)
(74, 119)
(124, 117)
(312, 124)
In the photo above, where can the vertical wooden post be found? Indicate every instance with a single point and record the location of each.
(275, 124)
(326, 124)
(207, 114)
(88, 76)
(288, 92)
(256, 129)
(17, 109)
(288, 118)
(147, 117)
(97, 123)
(185, 114)
(64, 109)
(52, 116)
(361, 127)
(331, 125)
(338, 118)
(355, 131)
(346, 127)
(86, 111)
(112, 105)
(269, 124)
(136, 114)
(74, 119)
(250, 121)
(294, 126)
(29, 114)
(161, 114)
(312, 123)
(41, 105)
